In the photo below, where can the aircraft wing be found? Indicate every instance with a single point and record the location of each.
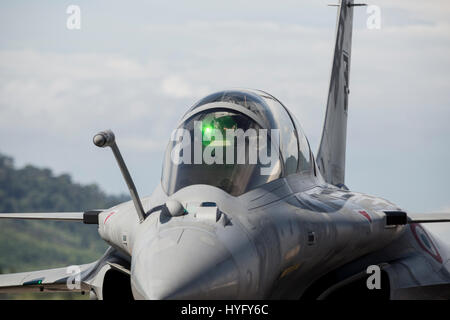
(55, 280)
(87, 278)
(88, 217)
(428, 217)
(62, 216)
(71, 278)
(75, 278)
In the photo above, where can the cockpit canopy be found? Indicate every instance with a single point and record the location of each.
(235, 140)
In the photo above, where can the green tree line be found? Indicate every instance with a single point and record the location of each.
(27, 245)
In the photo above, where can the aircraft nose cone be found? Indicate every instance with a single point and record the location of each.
(185, 264)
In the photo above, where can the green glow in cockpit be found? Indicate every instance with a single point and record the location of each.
(220, 123)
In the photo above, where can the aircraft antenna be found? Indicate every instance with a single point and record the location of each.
(107, 139)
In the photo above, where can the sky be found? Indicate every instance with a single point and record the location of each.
(136, 67)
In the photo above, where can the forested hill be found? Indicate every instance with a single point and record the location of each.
(32, 245)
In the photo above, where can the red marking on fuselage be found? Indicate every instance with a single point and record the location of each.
(109, 215)
(436, 256)
(366, 215)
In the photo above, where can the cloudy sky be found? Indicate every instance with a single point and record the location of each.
(136, 67)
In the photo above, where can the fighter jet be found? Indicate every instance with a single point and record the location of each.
(245, 211)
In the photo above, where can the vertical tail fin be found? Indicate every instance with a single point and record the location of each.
(331, 154)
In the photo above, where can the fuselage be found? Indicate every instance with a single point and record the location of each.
(271, 242)
(228, 221)
(231, 220)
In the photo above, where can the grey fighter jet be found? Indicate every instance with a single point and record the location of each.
(282, 227)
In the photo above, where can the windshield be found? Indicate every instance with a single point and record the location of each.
(222, 148)
(294, 147)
